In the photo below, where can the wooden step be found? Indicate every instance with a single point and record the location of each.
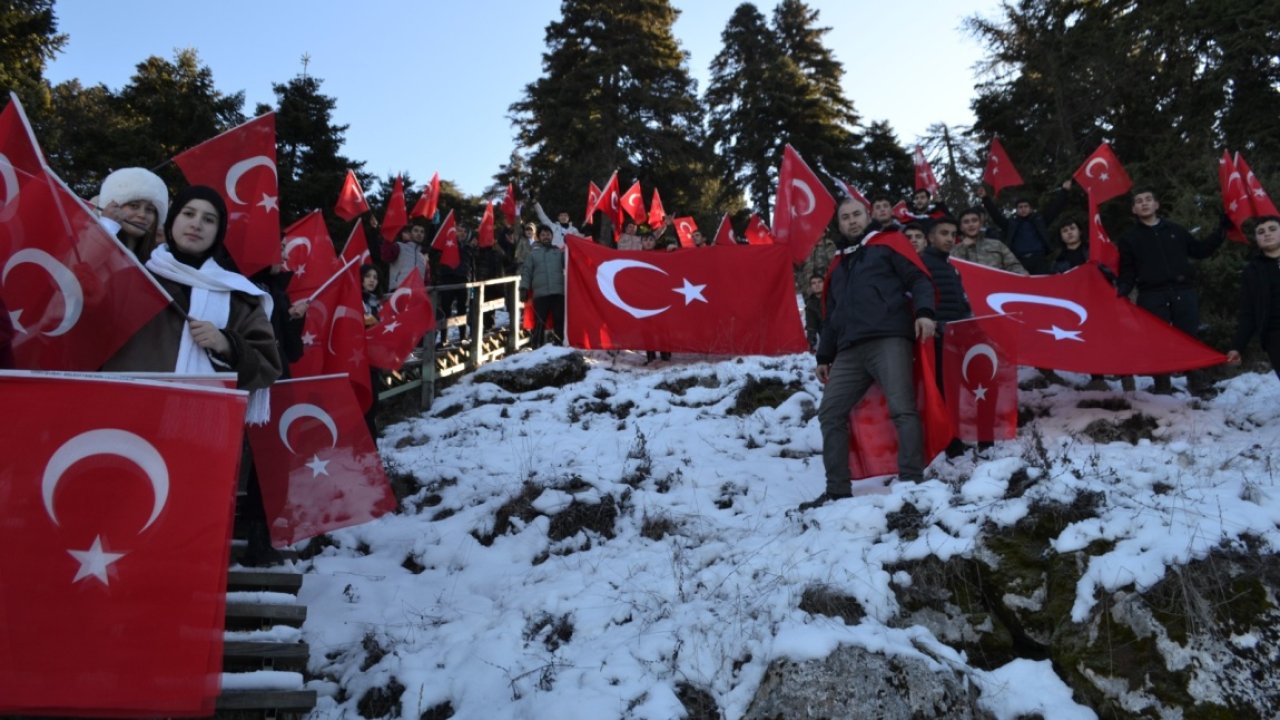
(249, 655)
(279, 700)
(265, 580)
(252, 615)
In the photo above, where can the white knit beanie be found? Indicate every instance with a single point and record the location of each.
(135, 183)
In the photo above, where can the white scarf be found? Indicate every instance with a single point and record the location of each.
(211, 287)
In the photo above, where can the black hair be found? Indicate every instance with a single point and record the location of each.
(975, 210)
(218, 250)
(947, 219)
(913, 226)
(545, 227)
(881, 197)
(364, 270)
(1140, 189)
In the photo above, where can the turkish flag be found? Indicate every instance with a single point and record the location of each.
(1000, 172)
(484, 233)
(724, 233)
(873, 439)
(1075, 322)
(1102, 175)
(356, 250)
(330, 345)
(757, 232)
(633, 203)
(351, 203)
(427, 203)
(852, 193)
(802, 208)
(317, 465)
(593, 199)
(394, 217)
(980, 375)
(1236, 201)
(657, 213)
(446, 241)
(309, 255)
(510, 208)
(404, 318)
(925, 179)
(682, 302)
(610, 203)
(685, 228)
(902, 213)
(241, 165)
(1101, 249)
(118, 499)
(1262, 204)
(72, 293)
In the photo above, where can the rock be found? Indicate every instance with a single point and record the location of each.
(557, 371)
(856, 683)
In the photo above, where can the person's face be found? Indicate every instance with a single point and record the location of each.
(942, 236)
(196, 227)
(137, 218)
(1023, 209)
(369, 281)
(916, 236)
(921, 199)
(815, 286)
(1267, 235)
(852, 218)
(971, 226)
(881, 211)
(1145, 205)
(1070, 234)
(563, 218)
(544, 237)
(417, 234)
(698, 239)
(629, 228)
(648, 243)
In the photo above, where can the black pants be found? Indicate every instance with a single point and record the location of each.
(1180, 307)
(454, 303)
(544, 305)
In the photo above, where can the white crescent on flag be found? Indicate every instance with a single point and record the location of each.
(976, 350)
(242, 167)
(68, 287)
(305, 410)
(108, 441)
(807, 191)
(606, 279)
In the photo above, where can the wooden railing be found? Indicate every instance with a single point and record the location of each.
(431, 364)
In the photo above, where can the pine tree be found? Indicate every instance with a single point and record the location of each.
(30, 41)
(956, 160)
(615, 94)
(885, 167)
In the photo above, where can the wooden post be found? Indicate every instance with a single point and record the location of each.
(514, 308)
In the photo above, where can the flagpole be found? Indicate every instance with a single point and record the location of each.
(327, 283)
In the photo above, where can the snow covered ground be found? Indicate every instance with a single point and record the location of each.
(486, 592)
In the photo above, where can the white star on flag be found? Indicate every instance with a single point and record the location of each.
(268, 202)
(317, 466)
(690, 291)
(390, 327)
(980, 393)
(1060, 334)
(308, 338)
(1102, 176)
(94, 561)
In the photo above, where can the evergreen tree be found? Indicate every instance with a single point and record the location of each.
(615, 94)
(30, 41)
(886, 167)
(956, 160)
(85, 136)
(310, 166)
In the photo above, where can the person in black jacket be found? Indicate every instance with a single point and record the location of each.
(1155, 257)
(952, 303)
(813, 310)
(1260, 295)
(878, 305)
(1025, 231)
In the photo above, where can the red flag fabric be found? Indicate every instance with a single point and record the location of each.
(685, 228)
(633, 203)
(610, 202)
(510, 208)
(902, 213)
(120, 495)
(1262, 204)
(593, 199)
(1101, 249)
(925, 179)
(484, 234)
(446, 241)
(429, 200)
(1236, 201)
(657, 213)
(241, 165)
(351, 203)
(1102, 175)
(980, 375)
(333, 346)
(1000, 172)
(802, 208)
(873, 440)
(317, 465)
(852, 193)
(309, 255)
(356, 248)
(394, 217)
(757, 232)
(724, 233)
(682, 302)
(72, 293)
(404, 318)
(1075, 322)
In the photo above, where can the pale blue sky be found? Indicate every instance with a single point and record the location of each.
(425, 85)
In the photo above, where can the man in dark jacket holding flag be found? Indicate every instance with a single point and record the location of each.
(878, 305)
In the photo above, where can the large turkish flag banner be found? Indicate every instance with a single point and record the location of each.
(1075, 322)
(682, 301)
(980, 376)
(317, 465)
(241, 165)
(118, 497)
(72, 292)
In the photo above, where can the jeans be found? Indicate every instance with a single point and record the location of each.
(887, 361)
